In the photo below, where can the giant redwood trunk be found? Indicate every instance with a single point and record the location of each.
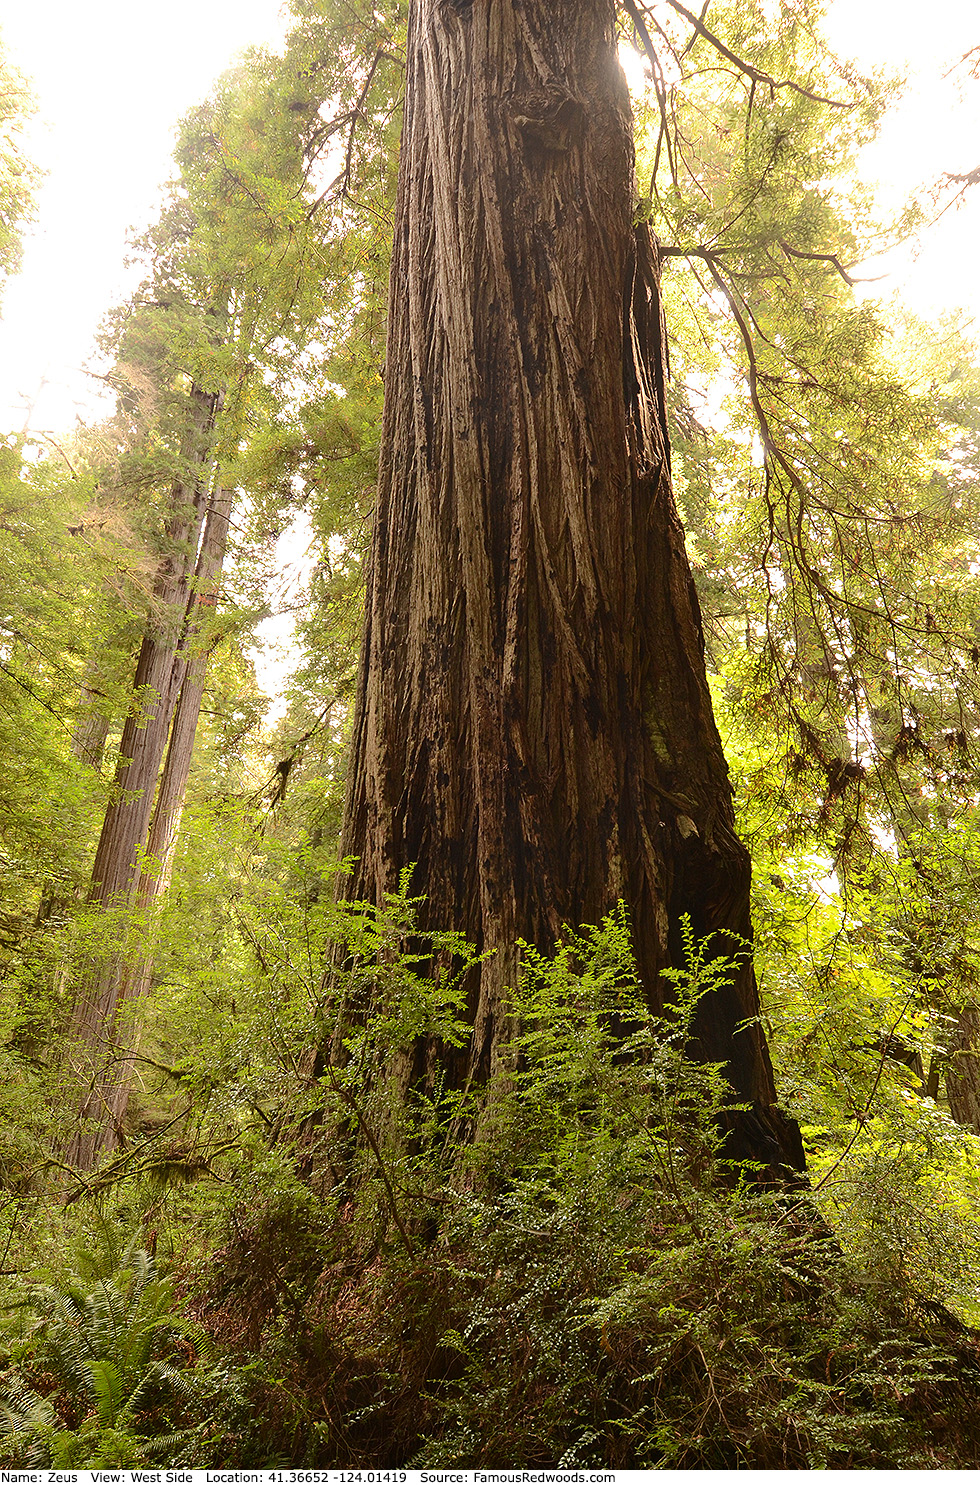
(159, 675)
(533, 727)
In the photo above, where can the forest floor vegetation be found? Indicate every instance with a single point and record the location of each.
(589, 1283)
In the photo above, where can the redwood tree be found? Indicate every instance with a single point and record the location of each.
(159, 676)
(533, 728)
(108, 1098)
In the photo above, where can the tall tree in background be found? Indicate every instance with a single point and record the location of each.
(209, 355)
(157, 681)
(534, 730)
(197, 639)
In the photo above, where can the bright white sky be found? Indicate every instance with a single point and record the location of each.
(113, 76)
(934, 128)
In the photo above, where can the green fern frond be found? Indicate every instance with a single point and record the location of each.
(27, 1421)
(107, 1387)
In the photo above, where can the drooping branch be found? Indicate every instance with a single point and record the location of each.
(348, 120)
(642, 35)
(274, 788)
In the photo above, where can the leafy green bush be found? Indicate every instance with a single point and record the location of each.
(561, 1267)
(586, 1282)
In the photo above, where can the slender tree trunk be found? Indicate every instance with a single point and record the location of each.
(196, 648)
(117, 1081)
(156, 686)
(533, 727)
(159, 674)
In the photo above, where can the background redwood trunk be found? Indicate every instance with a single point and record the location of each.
(158, 677)
(157, 681)
(533, 724)
(116, 1079)
(196, 646)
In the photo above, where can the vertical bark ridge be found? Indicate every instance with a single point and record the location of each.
(963, 1069)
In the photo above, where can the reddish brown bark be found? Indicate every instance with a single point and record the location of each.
(533, 724)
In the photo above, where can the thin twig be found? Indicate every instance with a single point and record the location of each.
(354, 1107)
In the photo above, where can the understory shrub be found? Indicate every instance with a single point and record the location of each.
(588, 1281)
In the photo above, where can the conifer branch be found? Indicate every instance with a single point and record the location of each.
(640, 16)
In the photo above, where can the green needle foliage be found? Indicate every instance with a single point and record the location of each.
(587, 1283)
(19, 178)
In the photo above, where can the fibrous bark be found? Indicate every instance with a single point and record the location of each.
(533, 727)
